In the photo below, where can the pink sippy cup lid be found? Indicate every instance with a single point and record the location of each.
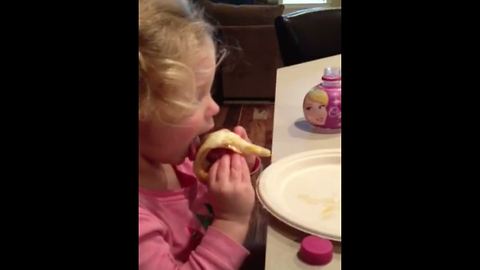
(315, 250)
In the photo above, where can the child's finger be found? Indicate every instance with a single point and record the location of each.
(212, 173)
(241, 132)
(236, 168)
(223, 172)
(245, 170)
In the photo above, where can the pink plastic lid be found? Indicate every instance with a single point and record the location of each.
(315, 250)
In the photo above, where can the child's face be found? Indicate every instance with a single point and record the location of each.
(170, 144)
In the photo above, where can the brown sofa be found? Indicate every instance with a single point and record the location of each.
(248, 32)
(309, 34)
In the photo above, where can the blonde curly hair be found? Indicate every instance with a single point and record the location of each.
(170, 35)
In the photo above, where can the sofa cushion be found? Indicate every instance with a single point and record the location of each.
(248, 33)
(240, 15)
(250, 69)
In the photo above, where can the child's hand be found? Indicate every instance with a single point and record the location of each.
(239, 130)
(230, 189)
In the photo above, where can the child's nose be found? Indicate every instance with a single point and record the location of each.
(213, 106)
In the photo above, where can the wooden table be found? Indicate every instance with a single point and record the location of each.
(291, 134)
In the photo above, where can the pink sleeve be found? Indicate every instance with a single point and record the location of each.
(216, 250)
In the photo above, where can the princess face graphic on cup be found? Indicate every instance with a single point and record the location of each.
(315, 107)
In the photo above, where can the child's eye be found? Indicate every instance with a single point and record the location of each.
(309, 108)
(320, 106)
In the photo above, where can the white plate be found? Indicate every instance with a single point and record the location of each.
(304, 191)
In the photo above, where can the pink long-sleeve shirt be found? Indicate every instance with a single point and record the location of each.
(171, 235)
